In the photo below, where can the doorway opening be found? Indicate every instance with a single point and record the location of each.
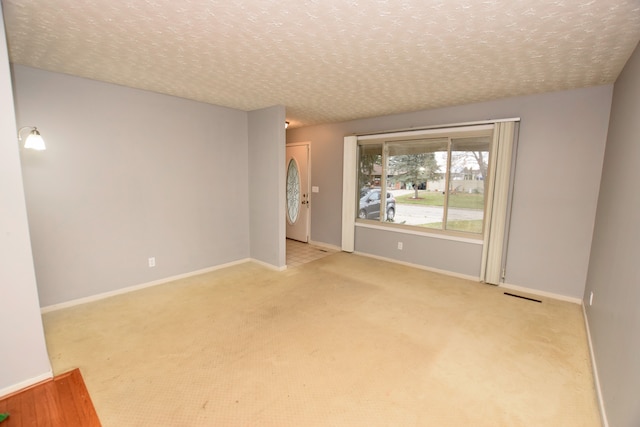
(298, 198)
(299, 253)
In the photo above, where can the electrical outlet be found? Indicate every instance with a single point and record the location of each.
(399, 246)
(152, 261)
(591, 299)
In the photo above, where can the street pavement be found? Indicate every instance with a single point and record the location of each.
(419, 215)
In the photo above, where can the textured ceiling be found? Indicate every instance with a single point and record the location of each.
(329, 60)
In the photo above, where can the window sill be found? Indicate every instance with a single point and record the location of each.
(396, 228)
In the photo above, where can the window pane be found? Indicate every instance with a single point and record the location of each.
(469, 165)
(416, 177)
(369, 180)
(369, 167)
(293, 192)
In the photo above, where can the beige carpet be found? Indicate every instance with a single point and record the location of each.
(342, 341)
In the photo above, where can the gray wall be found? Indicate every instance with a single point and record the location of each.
(447, 255)
(128, 175)
(23, 354)
(614, 269)
(562, 139)
(267, 185)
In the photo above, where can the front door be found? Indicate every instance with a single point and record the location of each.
(298, 192)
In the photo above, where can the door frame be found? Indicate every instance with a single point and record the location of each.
(308, 189)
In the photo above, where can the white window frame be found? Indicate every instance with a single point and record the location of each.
(449, 133)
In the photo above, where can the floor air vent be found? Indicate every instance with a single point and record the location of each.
(520, 296)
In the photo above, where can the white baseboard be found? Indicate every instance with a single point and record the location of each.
(540, 293)
(476, 279)
(594, 368)
(421, 267)
(104, 295)
(269, 266)
(325, 245)
(26, 383)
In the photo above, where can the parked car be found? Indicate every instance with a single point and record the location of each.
(370, 205)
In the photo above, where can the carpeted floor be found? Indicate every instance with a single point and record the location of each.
(342, 341)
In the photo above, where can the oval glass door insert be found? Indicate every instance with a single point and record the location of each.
(293, 191)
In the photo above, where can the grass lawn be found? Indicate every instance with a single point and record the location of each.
(432, 198)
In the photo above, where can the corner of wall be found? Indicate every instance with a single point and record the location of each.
(594, 369)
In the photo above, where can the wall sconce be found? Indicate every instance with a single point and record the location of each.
(286, 125)
(34, 141)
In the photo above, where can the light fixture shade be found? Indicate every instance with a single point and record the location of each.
(286, 125)
(34, 141)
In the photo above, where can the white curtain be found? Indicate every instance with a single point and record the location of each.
(497, 194)
(349, 182)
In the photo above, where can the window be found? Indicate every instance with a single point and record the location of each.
(464, 174)
(293, 192)
(431, 180)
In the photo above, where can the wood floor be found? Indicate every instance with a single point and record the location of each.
(61, 401)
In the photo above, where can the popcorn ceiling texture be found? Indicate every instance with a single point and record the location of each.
(329, 60)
